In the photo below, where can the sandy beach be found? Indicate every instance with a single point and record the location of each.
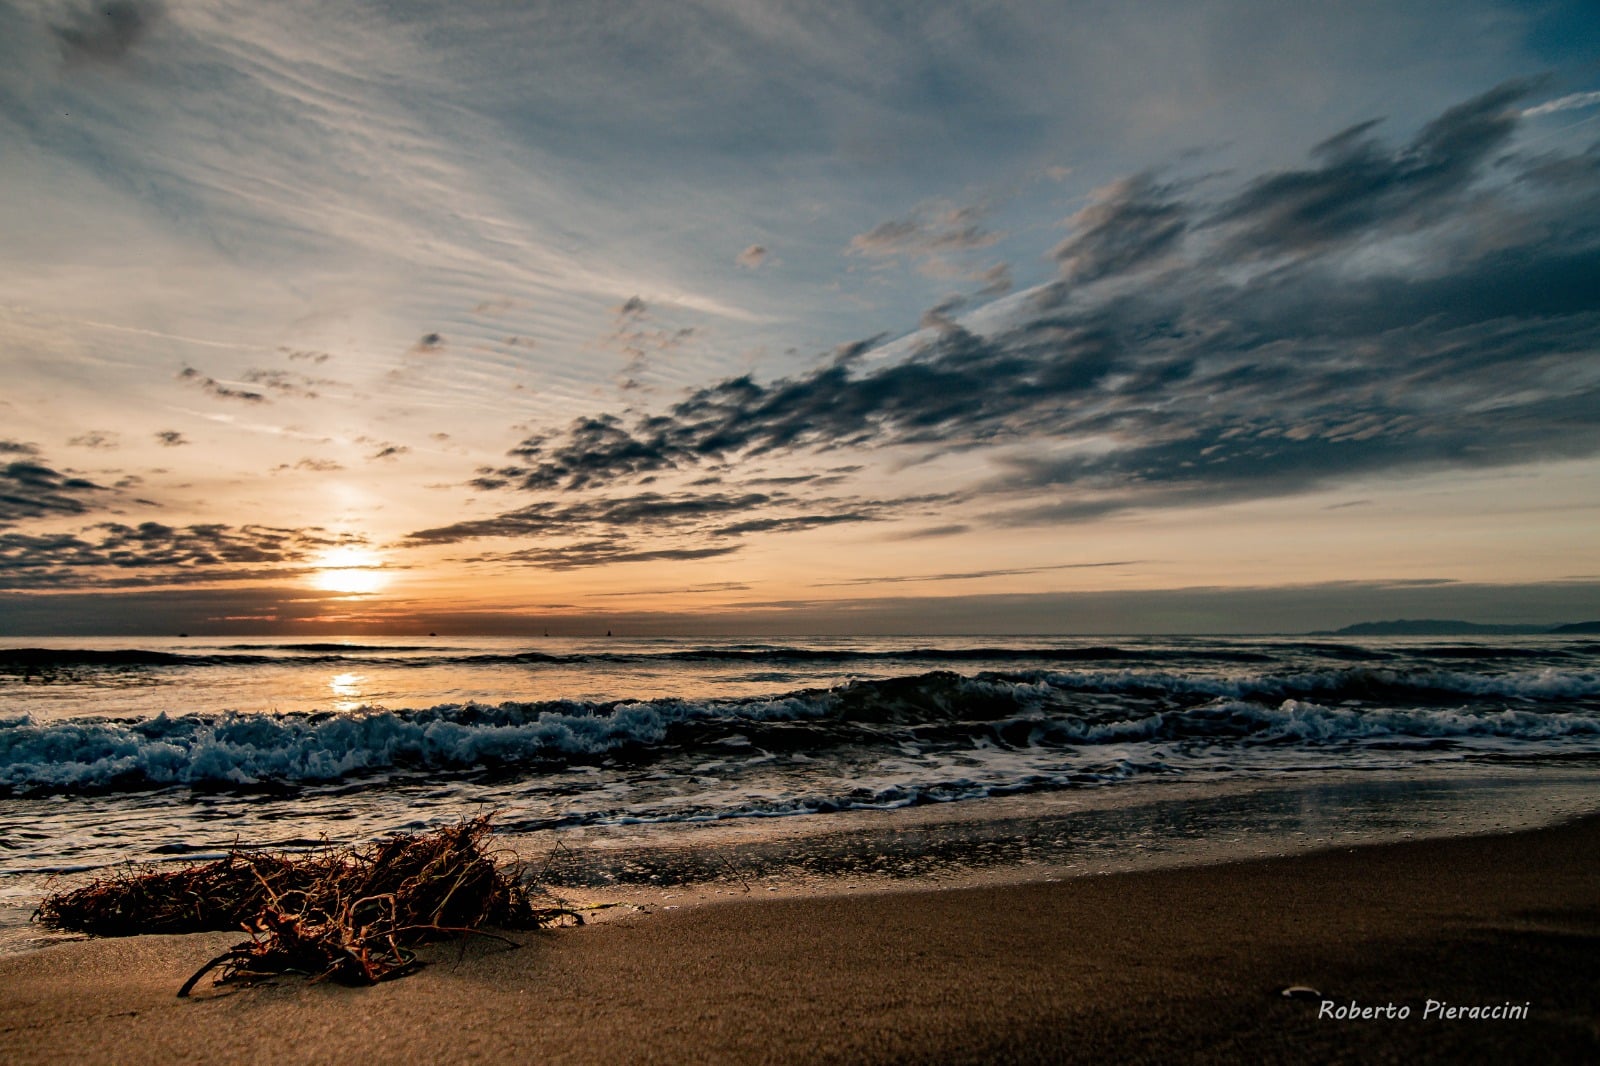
(1170, 965)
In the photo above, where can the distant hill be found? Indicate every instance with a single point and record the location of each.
(1440, 627)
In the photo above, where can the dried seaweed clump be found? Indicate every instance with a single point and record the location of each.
(351, 914)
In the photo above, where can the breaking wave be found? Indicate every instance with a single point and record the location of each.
(1164, 715)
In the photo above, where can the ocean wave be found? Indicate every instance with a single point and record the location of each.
(929, 712)
(1365, 684)
(1420, 662)
(32, 661)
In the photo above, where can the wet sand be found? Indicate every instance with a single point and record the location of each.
(1169, 965)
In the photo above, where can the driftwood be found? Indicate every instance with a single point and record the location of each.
(351, 914)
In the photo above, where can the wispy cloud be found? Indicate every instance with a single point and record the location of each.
(97, 440)
(1570, 102)
(974, 575)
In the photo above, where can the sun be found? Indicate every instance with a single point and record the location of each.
(349, 570)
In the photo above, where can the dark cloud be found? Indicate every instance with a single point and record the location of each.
(752, 257)
(105, 32)
(30, 489)
(171, 438)
(316, 466)
(947, 530)
(650, 525)
(603, 553)
(960, 390)
(941, 315)
(284, 383)
(688, 590)
(116, 555)
(972, 575)
(1216, 379)
(306, 355)
(793, 523)
(389, 451)
(632, 306)
(1133, 224)
(1358, 186)
(427, 344)
(98, 439)
(646, 511)
(214, 387)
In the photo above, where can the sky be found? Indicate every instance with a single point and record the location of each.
(742, 317)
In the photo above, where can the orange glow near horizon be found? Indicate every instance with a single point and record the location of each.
(354, 571)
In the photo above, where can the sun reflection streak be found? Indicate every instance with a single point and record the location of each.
(348, 687)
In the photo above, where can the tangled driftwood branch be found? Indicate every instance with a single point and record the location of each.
(352, 914)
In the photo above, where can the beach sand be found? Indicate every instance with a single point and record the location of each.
(1171, 965)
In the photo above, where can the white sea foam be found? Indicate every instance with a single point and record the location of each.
(912, 716)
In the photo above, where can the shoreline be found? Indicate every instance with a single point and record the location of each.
(996, 841)
(1051, 836)
(1181, 963)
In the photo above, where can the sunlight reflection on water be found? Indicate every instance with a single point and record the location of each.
(347, 688)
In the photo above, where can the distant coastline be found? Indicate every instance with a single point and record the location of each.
(1440, 627)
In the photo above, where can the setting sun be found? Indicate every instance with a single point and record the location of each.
(350, 570)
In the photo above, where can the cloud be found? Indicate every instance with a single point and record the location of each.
(99, 440)
(960, 389)
(211, 385)
(1360, 187)
(171, 438)
(29, 489)
(1132, 224)
(285, 383)
(941, 315)
(652, 525)
(711, 587)
(603, 553)
(928, 237)
(1215, 380)
(317, 466)
(648, 510)
(105, 32)
(996, 281)
(114, 555)
(1570, 102)
(793, 523)
(973, 575)
(428, 344)
(389, 451)
(639, 341)
(304, 355)
(927, 231)
(752, 257)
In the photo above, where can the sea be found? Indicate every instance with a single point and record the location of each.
(640, 771)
